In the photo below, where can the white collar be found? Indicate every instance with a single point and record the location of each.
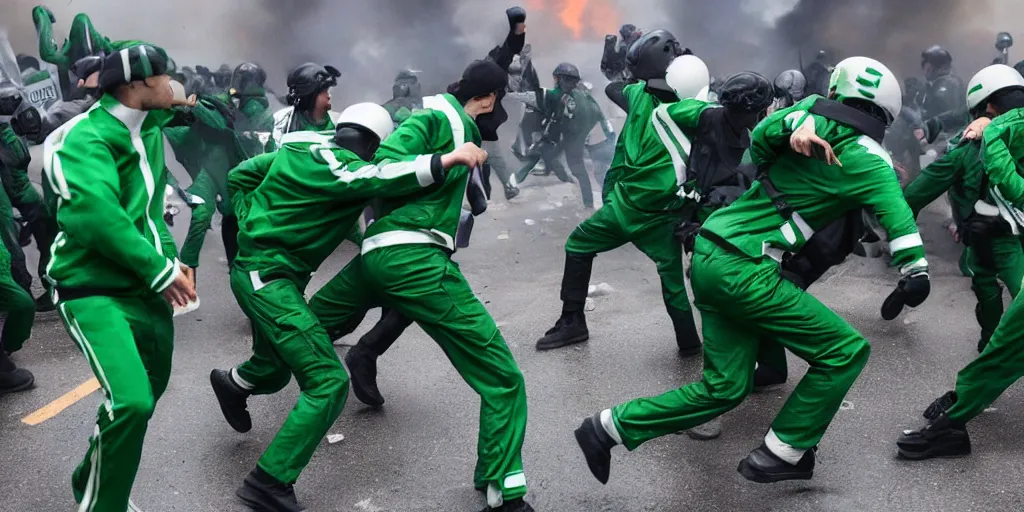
(132, 118)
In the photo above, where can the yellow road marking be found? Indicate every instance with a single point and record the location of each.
(55, 407)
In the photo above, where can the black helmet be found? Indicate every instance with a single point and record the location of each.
(407, 85)
(937, 56)
(791, 84)
(648, 58)
(222, 77)
(308, 80)
(1003, 41)
(248, 75)
(747, 91)
(567, 70)
(629, 33)
(26, 62)
(567, 76)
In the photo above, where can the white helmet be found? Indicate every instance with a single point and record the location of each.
(990, 80)
(370, 116)
(870, 80)
(687, 75)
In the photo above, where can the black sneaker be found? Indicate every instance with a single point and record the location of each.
(516, 505)
(939, 406)
(767, 378)
(596, 445)
(44, 304)
(568, 330)
(763, 466)
(16, 380)
(362, 370)
(263, 493)
(232, 399)
(982, 343)
(942, 437)
(511, 192)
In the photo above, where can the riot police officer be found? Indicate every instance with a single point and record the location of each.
(943, 106)
(817, 74)
(406, 96)
(790, 87)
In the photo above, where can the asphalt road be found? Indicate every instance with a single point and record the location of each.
(418, 453)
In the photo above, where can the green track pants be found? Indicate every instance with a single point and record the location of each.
(617, 224)
(19, 306)
(999, 259)
(288, 340)
(422, 283)
(128, 343)
(743, 301)
(997, 367)
(205, 188)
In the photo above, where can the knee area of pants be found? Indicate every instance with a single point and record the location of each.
(138, 409)
(856, 354)
(730, 394)
(336, 383)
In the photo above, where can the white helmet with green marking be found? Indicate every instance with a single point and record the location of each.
(989, 81)
(867, 79)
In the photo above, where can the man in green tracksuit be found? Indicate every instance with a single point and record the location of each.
(571, 114)
(994, 251)
(212, 142)
(310, 193)
(405, 264)
(114, 269)
(645, 204)
(742, 296)
(998, 91)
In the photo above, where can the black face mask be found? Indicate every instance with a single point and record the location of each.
(489, 123)
(362, 142)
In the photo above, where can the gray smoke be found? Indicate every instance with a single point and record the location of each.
(770, 35)
(371, 40)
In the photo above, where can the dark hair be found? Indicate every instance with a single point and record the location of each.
(1007, 99)
(868, 108)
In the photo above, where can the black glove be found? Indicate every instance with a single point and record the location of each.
(911, 291)
(932, 129)
(516, 15)
(686, 234)
(27, 123)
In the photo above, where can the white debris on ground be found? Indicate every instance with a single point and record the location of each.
(600, 290)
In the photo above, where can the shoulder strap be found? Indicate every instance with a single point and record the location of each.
(851, 117)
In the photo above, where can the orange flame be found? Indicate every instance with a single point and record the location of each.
(572, 16)
(582, 17)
